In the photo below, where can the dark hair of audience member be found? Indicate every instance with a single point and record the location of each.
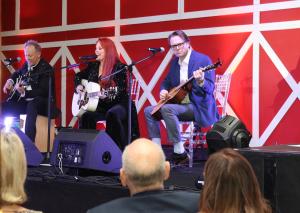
(230, 185)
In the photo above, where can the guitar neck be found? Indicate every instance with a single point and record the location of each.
(204, 69)
(92, 94)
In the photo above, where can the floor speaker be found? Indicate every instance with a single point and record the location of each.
(33, 155)
(227, 132)
(277, 170)
(87, 149)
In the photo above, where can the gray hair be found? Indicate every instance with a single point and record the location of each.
(34, 43)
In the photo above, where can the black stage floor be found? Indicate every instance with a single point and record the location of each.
(78, 190)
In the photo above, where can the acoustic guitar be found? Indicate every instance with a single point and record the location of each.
(22, 80)
(89, 98)
(177, 94)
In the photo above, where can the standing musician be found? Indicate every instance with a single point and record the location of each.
(28, 89)
(199, 105)
(113, 108)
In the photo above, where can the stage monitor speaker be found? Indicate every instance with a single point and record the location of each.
(87, 149)
(227, 132)
(33, 155)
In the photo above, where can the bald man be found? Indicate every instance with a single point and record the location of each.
(143, 171)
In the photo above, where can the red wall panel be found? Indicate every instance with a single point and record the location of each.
(274, 1)
(90, 11)
(280, 15)
(133, 9)
(60, 36)
(37, 14)
(8, 8)
(196, 5)
(218, 21)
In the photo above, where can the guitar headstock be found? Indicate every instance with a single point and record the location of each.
(212, 66)
(218, 63)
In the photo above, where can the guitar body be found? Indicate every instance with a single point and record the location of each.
(82, 103)
(14, 95)
(177, 94)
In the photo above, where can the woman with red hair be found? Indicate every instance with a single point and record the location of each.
(113, 105)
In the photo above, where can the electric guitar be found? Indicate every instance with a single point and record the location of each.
(177, 94)
(89, 98)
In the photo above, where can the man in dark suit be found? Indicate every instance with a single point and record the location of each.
(143, 171)
(29, 88)
(198, 105)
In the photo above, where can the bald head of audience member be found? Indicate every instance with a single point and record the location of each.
(144, 167)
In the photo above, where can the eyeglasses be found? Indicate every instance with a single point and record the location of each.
(177, 46)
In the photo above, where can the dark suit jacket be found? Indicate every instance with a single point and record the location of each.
(38, 79)
(205, 110)
(153, 201)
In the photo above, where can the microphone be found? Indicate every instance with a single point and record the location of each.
(88, 57)
(156, 50)
(9, 61)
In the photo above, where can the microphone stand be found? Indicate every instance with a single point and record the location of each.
(49, 105)
(129, 70)
(49, 72)
(49, 114)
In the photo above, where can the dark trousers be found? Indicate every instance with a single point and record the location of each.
(37, 106)
(116, 119)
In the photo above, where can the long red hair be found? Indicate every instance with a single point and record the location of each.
(110, 59)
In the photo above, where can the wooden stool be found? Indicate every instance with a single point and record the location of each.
(41, 131)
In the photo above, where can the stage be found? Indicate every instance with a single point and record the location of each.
(79, 189)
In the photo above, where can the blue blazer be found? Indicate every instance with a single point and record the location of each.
(205, 110)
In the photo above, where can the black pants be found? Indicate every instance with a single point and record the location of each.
(37, 106)
(116, 119)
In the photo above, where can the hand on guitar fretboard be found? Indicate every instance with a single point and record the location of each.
(110, 93)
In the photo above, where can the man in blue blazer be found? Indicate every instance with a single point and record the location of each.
(198, 105)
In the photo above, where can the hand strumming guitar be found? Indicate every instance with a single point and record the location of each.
(20, 88)
(163, 94)
(8, 86)
(79, 89)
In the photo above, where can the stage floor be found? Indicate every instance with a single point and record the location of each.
(78, 190)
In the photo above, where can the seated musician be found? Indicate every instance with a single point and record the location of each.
(198, 105)
(28, 89)
(112, 105)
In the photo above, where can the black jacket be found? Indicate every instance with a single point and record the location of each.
(153, 201)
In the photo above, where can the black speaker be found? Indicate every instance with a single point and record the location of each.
(87, 149)
(33, 155)
(277, 170)
(227, 132)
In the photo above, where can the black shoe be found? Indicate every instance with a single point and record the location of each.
(178, 159)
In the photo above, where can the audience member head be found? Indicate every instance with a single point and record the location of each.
(230, 185)
(32, 52)
(13, 168)
(144, 167)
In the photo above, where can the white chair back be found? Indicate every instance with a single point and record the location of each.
(222, 86)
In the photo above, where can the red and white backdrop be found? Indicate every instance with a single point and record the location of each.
(257, 40)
